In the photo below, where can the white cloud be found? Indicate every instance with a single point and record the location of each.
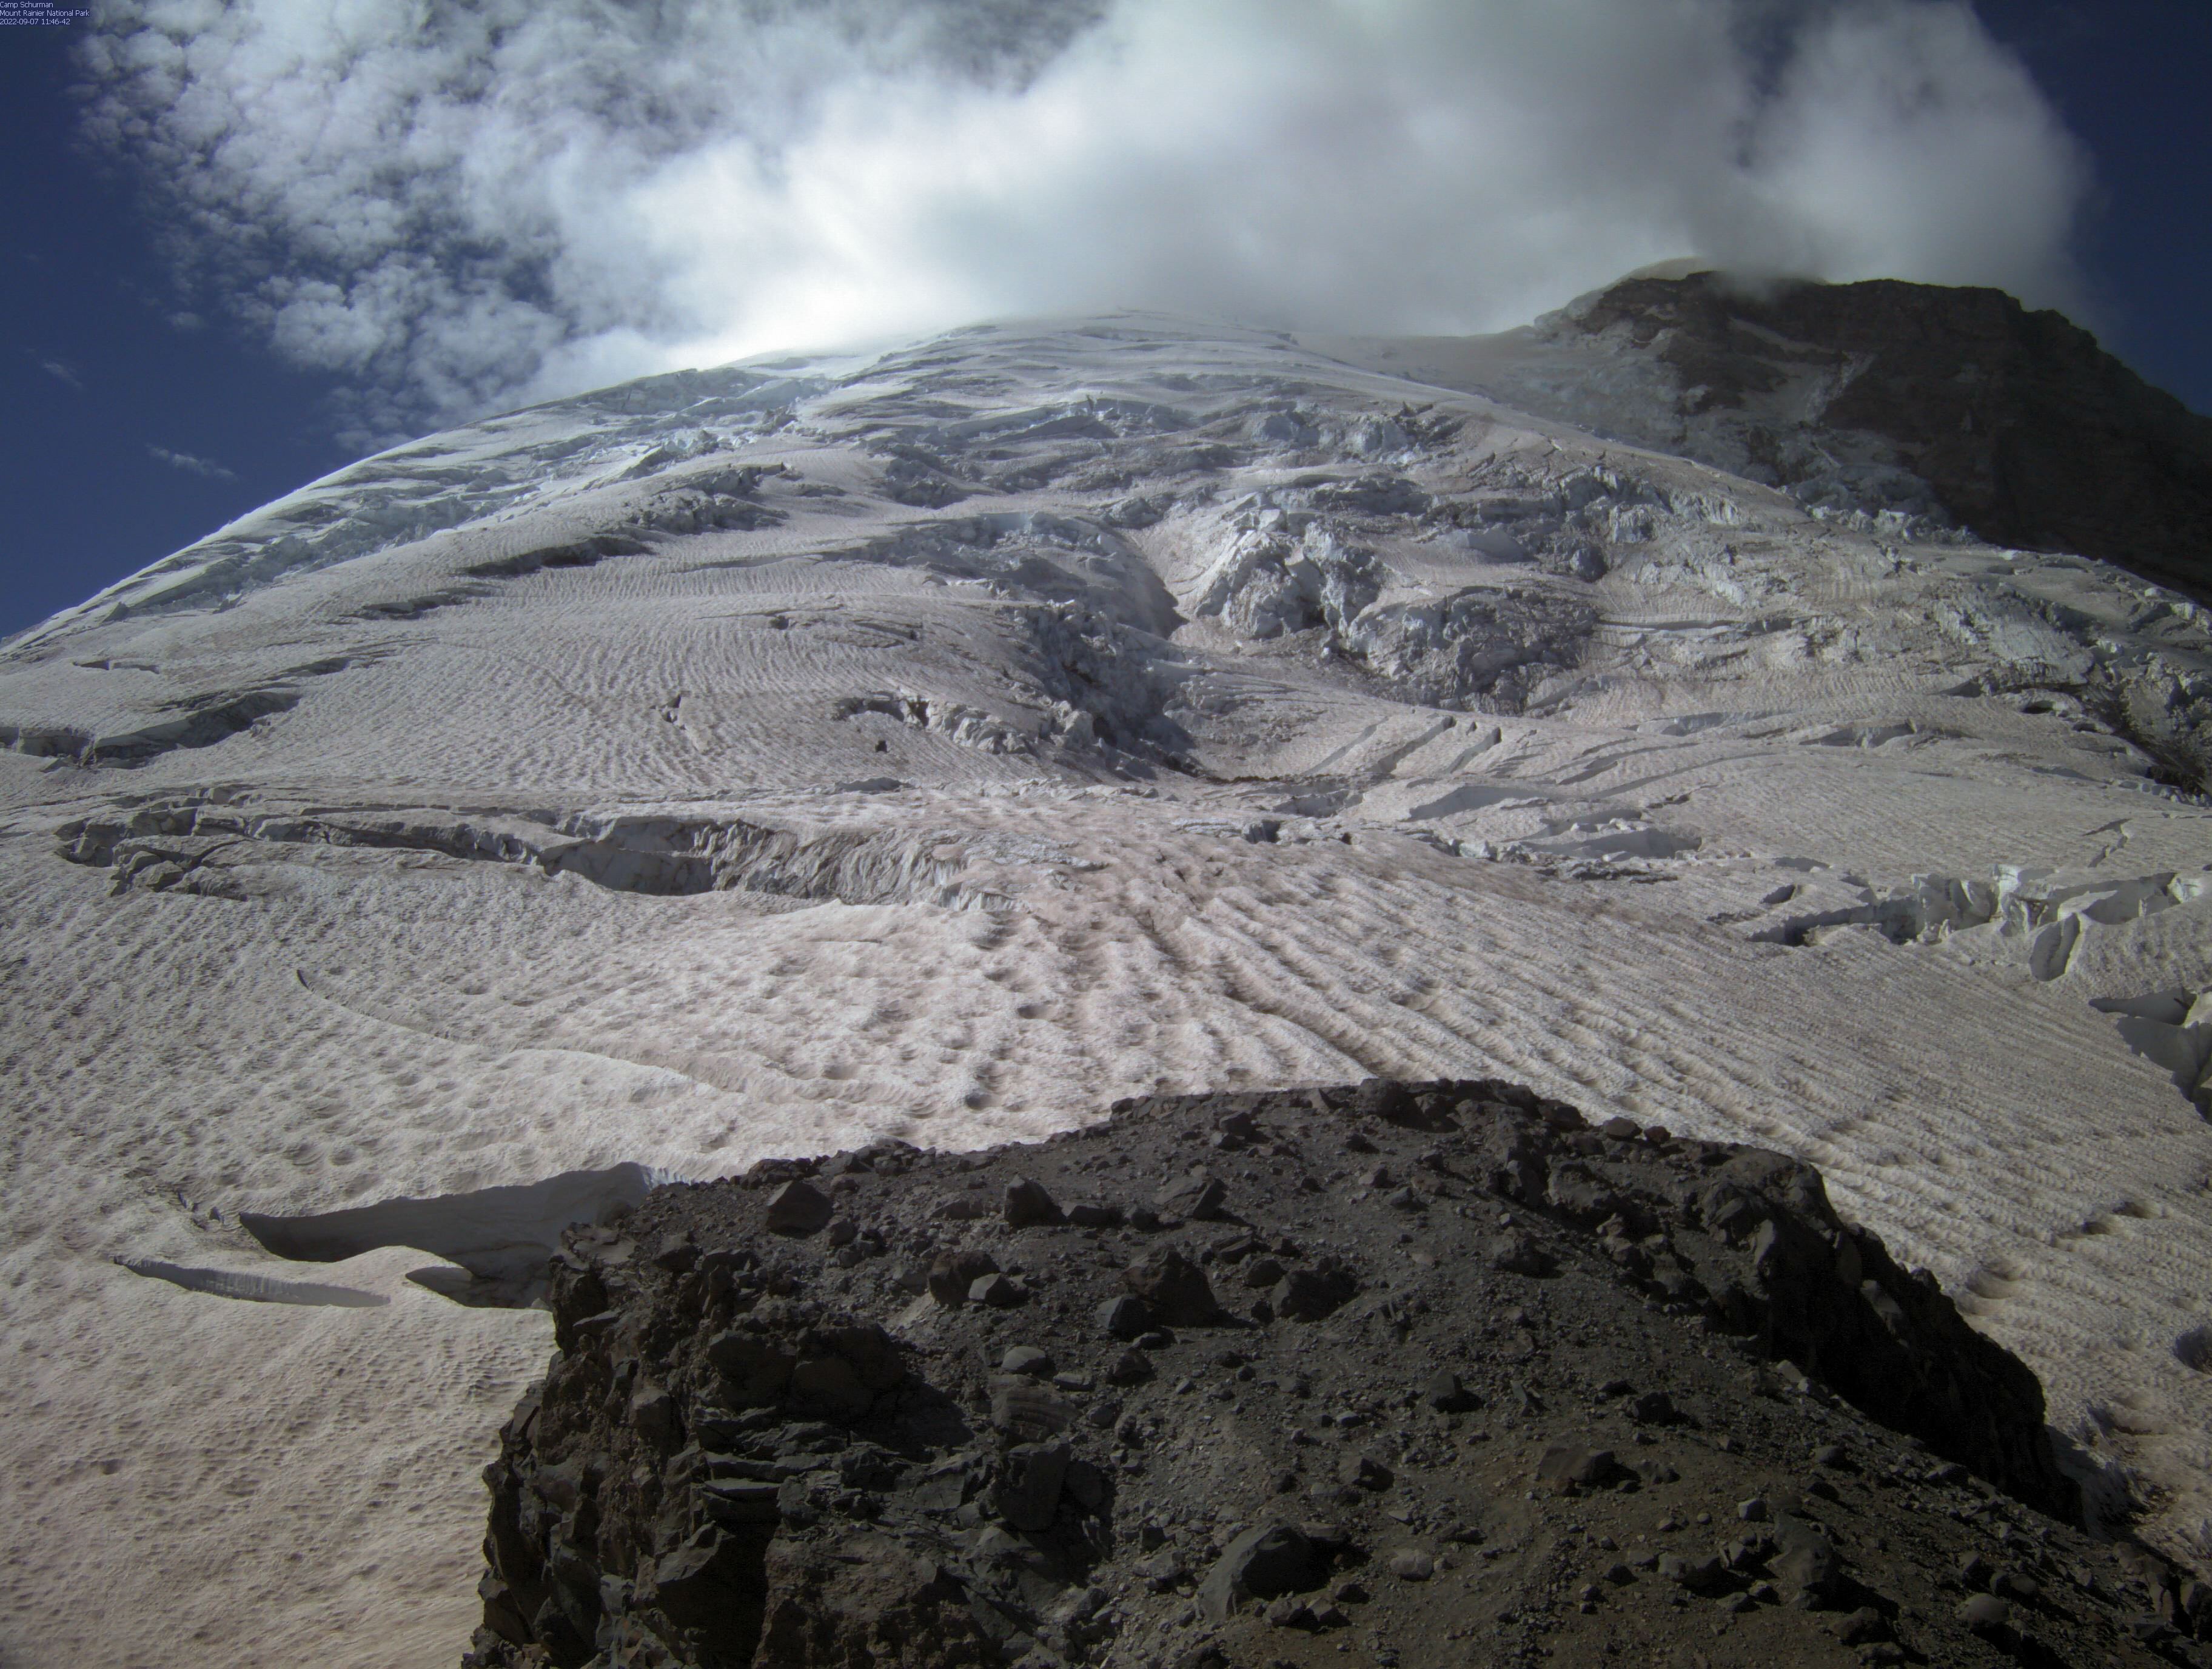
(458, 207)
(190, 464)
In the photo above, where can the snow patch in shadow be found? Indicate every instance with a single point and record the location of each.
(578, 553)
(162, 845)
(258, 1288)
(2193, 1349)
(502, 1236)
(189, 721)
(2019, 915)
(2169, 1029)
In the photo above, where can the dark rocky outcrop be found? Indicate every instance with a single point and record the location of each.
(1445, 1375)
(2025, 430)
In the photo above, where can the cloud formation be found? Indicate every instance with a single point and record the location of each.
(461, 206)
(191, 464)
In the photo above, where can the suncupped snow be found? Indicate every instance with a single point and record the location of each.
(937, 748)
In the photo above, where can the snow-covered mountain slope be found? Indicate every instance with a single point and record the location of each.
(1955, 405)
(759, 760)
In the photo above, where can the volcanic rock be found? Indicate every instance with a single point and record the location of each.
(842, 1474)
(1173, 1289)
(798, 1207)
(1261, 1563)
(2020, 426)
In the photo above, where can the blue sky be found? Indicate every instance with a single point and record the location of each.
(95, 374)
(168, 364)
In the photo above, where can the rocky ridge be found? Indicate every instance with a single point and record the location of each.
(1432, 1372)
(1924, 399)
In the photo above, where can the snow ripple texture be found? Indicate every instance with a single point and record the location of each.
(770, 759)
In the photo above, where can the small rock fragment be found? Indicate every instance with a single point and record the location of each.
(676, 1253)
(1198, 1197)
(1314, 1294)
(1027, 1412)
(1365, 1473)
(653, 1412)
(1125, 1318)
(1289, 1611)
(1705, 1575)
(2017, 1586)
(1444, 1393)
(1130, 1367)
(1567, 1467)
(953, 1273)
(1027, 1491)
(1861, 1627)
(999, 1292)
(1985, 1614)
(1517, 1253)
(1807, 1569)
(1654, 1407)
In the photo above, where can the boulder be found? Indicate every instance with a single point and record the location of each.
(1411, 1564)
(1565, 1468)
(1125, 1318)
(1026, 1411)
(1443, 1393)
(1174, 1290)
(798, 1207)
(953, 1273)
(1027, 1490)
(1314, 1293)
(1263, 1563)
(997, 1292)
(1198, 1197)
(1027, 1205)
(1806, 1568)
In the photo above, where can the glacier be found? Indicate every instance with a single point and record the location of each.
(943, 743)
